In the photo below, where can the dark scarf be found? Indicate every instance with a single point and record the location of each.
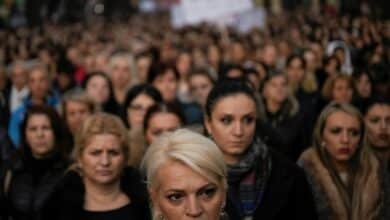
(247, 179)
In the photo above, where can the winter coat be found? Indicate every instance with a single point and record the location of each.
(67, 201)
(287, 194)
(329, 203)
(29, 184)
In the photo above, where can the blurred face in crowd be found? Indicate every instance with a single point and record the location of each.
(39, 84)
(340, 54)
(295, 71)
(143, 64)
(183, 63)
(276, 89)
(363, 86)
(342, 91)
(98, 89)
(76, 112)
(341, 136)
(200, 87)
(269, 55)
(39, 135)
(137, 109)
(311, 60)
(18, 77)
(120, 73)
(232, 125)
(331, 67)
(377, 121)
(213, 55)
(159, 123)
(183, 194)
(237, 52)
(102, 160)
(167, 85)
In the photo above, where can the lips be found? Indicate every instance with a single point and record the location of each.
(344, 151)
(383, 136)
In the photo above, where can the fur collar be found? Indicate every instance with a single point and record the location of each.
(329, 196)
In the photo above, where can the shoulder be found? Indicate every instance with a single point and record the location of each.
(133, 185)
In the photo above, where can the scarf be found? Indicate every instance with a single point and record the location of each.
(248, 178)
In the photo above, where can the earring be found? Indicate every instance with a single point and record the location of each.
(161, 217)
(323, 144)
(223, 215)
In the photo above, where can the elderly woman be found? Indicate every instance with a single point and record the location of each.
(347, 179)
(99, 185)
(186, 177)
(262, 183)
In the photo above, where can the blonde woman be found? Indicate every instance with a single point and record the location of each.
(186, 177)
(345, 176)
(99, 185)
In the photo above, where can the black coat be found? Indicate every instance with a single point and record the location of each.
(68, 200)
(287, 194)
(31, 184)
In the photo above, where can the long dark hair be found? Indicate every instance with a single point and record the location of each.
(62, 136)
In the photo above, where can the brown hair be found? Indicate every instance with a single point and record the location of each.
(327, 90)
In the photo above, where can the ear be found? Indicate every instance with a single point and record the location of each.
(154, 201)
(207, 124)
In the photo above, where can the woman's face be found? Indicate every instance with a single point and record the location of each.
(98, 89)
(342, 91)
(363, 86)
(137, 109)
(120, 73)
(341, 136)
(377, 121)
(183, 194)
(159, 123)
(39, 135)
(167, 85)
(102, 160)
(276, 89)
(232, 125)
(295, 71)
(76, 112)
(200, 87)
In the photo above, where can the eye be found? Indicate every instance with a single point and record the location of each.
(374, 120)
(226, 120)
(335, 130)
(355, 132)
(114, 152)
(175, 197)
(249, 119)
(95, 152)
(208, 193)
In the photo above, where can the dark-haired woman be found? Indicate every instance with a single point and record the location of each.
(31, 175)
(137, 102)
(282, 112)
(377, 122)
(262, 183)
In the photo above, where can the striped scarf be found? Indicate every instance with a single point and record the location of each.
(249, 177)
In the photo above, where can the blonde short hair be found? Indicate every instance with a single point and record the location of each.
(100, 123)
(192, 149)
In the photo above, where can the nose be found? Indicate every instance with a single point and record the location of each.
(238, 129)
(194, 208)
(383, 125)
(105, 159)
(345, 137)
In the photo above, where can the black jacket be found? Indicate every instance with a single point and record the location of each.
(31, 184)
(68, 200)
(287, 195)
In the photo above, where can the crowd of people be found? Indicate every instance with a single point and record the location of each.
(139, 120)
